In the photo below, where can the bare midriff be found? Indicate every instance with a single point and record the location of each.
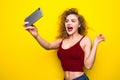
(70, 75)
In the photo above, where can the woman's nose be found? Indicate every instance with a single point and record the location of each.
(69, 22)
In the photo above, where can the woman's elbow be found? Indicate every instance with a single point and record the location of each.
(88, 66)
(49, 47)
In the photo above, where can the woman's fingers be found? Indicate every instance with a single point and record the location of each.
(25, 24)
(102, 37)
(27, 27)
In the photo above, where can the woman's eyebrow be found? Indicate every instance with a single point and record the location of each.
(73, 19)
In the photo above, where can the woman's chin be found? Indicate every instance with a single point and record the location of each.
(70, 33)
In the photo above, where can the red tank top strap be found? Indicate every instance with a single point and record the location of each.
(82, 38)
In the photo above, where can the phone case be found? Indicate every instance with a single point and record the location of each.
(37, 14)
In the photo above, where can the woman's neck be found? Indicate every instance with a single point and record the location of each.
(74, 36)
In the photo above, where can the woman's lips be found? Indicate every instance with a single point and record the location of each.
(69, 28)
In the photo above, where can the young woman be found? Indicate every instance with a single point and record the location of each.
(75, 49)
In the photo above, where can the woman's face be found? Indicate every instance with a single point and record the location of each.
(72, 24)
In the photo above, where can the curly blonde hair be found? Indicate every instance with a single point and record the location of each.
(82, 30)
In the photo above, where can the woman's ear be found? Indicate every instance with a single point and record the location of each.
(79, 25)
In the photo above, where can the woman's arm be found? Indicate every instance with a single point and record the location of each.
(90, 51)
(48, 46)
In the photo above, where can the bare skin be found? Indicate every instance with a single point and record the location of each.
(86, 44)
(69, 75)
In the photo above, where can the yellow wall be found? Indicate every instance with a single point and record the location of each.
(21, 58)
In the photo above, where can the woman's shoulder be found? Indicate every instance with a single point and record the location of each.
(59, 40)
(86, 39)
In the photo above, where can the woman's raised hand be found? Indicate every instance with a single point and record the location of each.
(31, 29)
(99, 38)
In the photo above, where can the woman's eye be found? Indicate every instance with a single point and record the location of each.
(66, 20)
(73, 20)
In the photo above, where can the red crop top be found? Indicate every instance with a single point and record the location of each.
(72, 59)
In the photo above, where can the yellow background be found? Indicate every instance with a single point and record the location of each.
(21, 57)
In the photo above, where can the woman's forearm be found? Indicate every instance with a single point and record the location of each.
(42, 42)
(91, 58)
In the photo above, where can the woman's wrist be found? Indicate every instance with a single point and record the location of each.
(96, 43)
(36, 36)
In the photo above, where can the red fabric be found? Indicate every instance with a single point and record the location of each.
(72, 59)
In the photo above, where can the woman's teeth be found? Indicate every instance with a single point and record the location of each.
(70, 29)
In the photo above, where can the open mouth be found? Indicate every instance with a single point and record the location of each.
(69, 28)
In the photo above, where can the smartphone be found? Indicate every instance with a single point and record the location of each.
(32, 18)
